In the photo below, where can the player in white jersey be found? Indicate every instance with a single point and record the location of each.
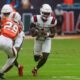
(43, 29)
(6, 11)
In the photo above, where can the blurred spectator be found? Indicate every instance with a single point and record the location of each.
(69, 2)
(14, 3)
(59, 16)
(26, 4)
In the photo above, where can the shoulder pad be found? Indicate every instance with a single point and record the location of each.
(35, 18)
(53, 20)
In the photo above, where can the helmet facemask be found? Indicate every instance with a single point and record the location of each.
(45, 11)
(45, 15)
(6, 15)
(6, 10)
(16, 17)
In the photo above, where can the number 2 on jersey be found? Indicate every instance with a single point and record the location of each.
(10, 26)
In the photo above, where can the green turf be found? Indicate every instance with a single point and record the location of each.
(63, 62)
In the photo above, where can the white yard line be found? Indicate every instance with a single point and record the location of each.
(66, 77)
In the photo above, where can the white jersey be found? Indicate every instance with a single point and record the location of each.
(37, 20)
(43, 43)
(19, 39)
(51, 22)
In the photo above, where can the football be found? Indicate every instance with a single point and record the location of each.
(34, 31)
(42, 32)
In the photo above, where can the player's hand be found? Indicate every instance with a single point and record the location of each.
(42, 32)
(34, 32)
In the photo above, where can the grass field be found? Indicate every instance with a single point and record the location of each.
(63, 62)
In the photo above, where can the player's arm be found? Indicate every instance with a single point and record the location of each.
(52, 32)
(52, 29)
(33, 31)
(49, 34)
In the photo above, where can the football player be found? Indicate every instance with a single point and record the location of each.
(6, 11)
(42, 27)
(9, 31)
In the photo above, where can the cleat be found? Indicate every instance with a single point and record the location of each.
(20, 71)
(2, 76)
(34, 71)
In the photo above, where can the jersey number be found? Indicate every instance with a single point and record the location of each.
(10, 26)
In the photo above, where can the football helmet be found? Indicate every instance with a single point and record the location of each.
(59, 6)
(6, 10)
(16, 17)
(45, 11)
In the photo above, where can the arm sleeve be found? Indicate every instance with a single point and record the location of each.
(32, 20)
(22, 25)
(54, 22)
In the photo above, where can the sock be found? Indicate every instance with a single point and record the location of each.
(35, 68)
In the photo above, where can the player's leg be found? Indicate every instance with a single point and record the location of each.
(6, 45)
(20, 67)
(37, 50)
(15, 63)
(37, 57)
(40, 63)
(45, 53)
(18, 44)
(12, 56)
(43, 60)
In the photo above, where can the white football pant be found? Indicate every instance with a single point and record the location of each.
(6, 44)
(42, 46)
(19, 40)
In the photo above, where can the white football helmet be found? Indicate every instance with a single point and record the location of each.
(59, 6)
(15, 16)
(6, 10)
(45, 11)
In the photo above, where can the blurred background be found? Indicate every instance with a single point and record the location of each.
(64, 59)
(67, 13)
